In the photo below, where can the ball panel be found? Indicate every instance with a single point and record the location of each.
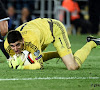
(25, 56)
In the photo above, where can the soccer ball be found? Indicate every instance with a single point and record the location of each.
(26, 57)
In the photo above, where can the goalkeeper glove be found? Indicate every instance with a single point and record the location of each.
(15, 64)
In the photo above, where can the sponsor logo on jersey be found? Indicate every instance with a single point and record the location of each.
(37, 53)
(38, 57)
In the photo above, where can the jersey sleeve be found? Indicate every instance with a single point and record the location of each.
(8, 48)
(33, 66)
(33, 45)
(35, 50)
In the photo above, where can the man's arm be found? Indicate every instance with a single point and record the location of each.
(3, 27)
(3, 20)
(18, 64)
(34, 66)
(38, 61)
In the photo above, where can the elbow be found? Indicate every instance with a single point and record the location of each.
(73, 68)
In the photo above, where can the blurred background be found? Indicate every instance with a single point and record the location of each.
(78, 16)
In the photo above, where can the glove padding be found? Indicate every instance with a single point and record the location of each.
(16, 63)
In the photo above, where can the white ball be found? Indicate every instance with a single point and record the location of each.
(28, 57)
(25, 56)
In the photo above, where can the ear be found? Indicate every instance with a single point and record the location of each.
(23, 40)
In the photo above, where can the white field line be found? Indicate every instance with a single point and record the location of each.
(49, 78)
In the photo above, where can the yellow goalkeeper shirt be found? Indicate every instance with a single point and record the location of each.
(36, 34)
(39, 33)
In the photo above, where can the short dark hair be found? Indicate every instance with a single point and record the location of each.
(14, 36)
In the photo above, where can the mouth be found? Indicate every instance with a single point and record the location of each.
(17, 52)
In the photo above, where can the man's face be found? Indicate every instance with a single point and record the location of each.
(17, 46)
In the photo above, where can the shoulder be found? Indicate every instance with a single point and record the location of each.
(7, 47)
(6, 44)
(29, 35)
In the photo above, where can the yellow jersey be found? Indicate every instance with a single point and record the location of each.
(36, 34)
(39, 33)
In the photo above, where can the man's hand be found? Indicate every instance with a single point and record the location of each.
(3, 27)
(16, 64)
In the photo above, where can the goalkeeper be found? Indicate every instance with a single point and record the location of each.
(34, 36)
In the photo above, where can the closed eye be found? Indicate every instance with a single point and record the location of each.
(18, 44)
(12, 45)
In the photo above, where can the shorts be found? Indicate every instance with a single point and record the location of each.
(61, 40)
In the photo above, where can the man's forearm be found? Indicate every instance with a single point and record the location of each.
(34, 66)
(4, 27)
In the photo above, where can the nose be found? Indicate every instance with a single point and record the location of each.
(15, 48)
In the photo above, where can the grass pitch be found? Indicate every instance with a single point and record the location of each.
(54, 76)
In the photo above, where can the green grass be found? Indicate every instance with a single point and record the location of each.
(52, 68)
